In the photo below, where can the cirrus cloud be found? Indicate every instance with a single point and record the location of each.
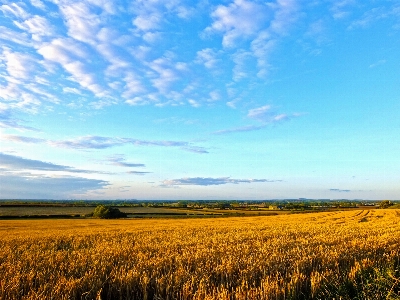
(206, 181)
(340, 191)
(101, 142)
(266, 114)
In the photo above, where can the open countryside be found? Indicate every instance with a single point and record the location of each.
(349, 254)
(11, 209)
(200, 150)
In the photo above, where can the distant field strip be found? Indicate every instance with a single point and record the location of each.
(38, 211)
(348, 255)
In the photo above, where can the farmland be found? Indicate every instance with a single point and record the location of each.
(351, 254)
(14, 209)
(69, 211)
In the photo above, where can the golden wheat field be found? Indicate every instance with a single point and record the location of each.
(327, 255)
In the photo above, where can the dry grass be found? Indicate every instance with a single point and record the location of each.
(352, 255)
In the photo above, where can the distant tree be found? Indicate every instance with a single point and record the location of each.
(223, 205)
(386, 204)
(107, 212)
(182, 203)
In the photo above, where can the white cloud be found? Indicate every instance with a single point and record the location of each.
(340, 9)
(37, 186)
(41, 92)
(29, 103)
(206, 181)
(140, 52)
(264, 24)
(19, 98)
(117, 64)
(153, 75)
(378, 63)
(147, 22)
(100, 104)
(72, 90)
(240, 129)
(194, 103)
(99, 142)
(138, 173)
(85, 142)
(9, 35)
(265, 114)
(24, 85)
(284, 16)
(166, 74)
(181, 66)
(207, 57)
(150, 16)
(241, 19)
(16, 163)
(214, 95)
(13, 163)
(110, 7)
(151, 37)
(339, 190)
(14, 9)
(41, 80)
(133, 86)
(256, 112)
(83, 25)
(37, 26)
(184, 12)
(80, 75)
(38, 3)
(107, 35)
(18, 65)
(262, 47)
(136, 101)
(241, 69)
(63, 51)
(70, 55)
(120, 161)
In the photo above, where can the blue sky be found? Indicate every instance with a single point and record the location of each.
(199, 99)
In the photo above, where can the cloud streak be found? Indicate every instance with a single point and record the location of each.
(264, 114)
(240, 129)
(20, 179)
(7, 120)
(33, 186)
(339, 190)
(140, 173)
(100, 142)
(207, 181)
(16, 163)
(120, 162)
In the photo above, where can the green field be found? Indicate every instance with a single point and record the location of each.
(29, 211)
